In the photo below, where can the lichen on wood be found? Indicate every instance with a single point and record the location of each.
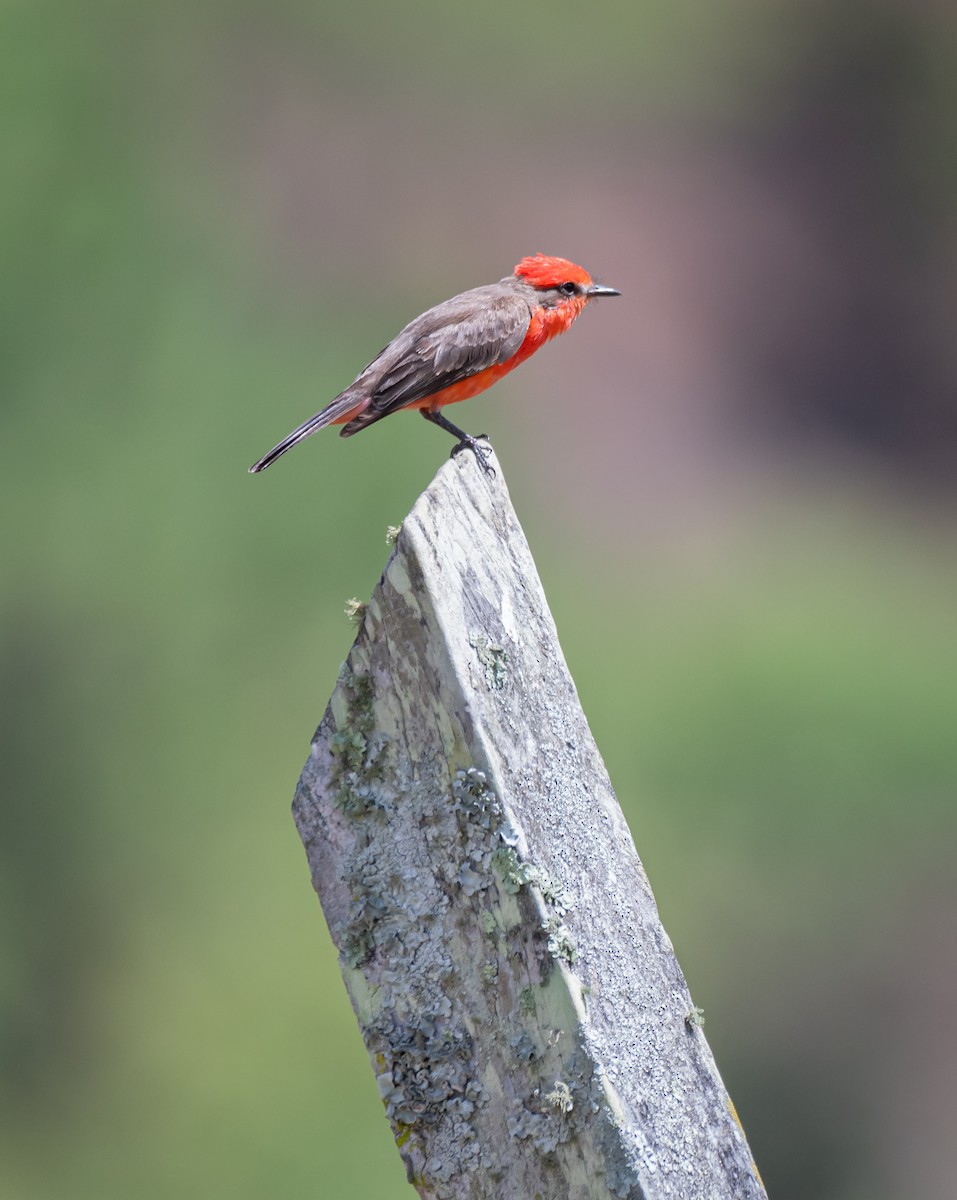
(526, 1018)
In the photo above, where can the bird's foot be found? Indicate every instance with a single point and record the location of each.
(482, 453)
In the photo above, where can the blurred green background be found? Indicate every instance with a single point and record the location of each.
(738, 482)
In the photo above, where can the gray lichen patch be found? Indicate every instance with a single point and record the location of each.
(561, 944)
(370, 902)
(357, 780)
(522, 1044)
(475, 800)
(485, 831)
(426, 1064)
(494, 659)
(428, 1080)
(540, 1127)
(514, 874)
(358, 748)
(358, 940)
(510, 869)
(550, 1115)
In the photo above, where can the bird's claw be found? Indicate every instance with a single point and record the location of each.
(482, 453)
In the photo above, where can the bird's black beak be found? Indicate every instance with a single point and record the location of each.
(601, 289)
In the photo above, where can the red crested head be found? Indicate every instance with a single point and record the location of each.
(544, 271)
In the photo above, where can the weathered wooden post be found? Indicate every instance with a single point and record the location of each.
(529, 1027)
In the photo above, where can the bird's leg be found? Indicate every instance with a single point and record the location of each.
(466, 440)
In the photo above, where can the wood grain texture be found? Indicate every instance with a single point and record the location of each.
(529, 1027)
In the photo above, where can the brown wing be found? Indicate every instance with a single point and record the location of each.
(449, 343)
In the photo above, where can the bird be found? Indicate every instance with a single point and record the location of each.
(458, 349)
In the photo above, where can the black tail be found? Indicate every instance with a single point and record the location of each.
(337, 408)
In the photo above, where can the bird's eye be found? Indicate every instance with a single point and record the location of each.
(569, 288)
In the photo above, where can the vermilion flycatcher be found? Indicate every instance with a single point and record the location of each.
(458, 349)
